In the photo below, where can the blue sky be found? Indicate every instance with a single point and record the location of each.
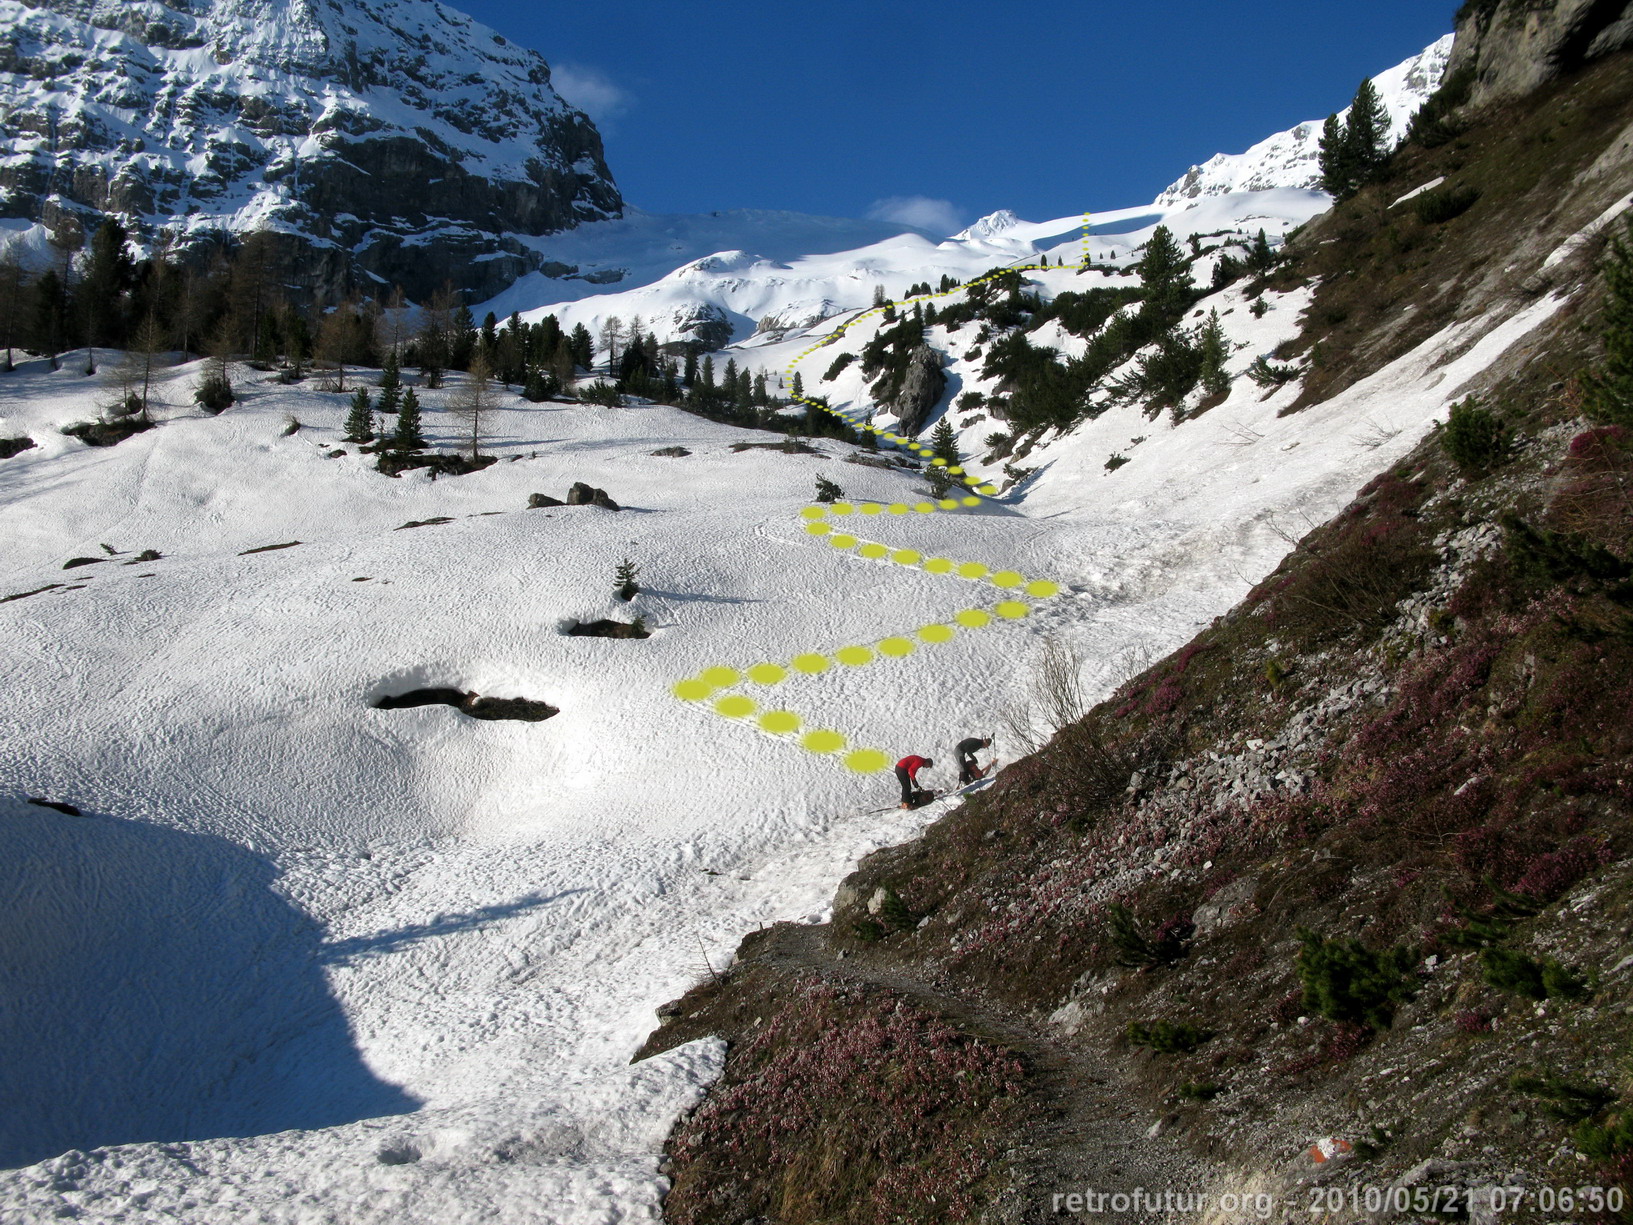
(1046, 108)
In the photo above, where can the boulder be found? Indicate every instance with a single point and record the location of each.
(536, 500)
(14, 446)
(921, 390)
(587, 495)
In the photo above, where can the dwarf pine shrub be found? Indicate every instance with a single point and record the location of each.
(1167, 1039)
(1475, 438)
(1343, 980)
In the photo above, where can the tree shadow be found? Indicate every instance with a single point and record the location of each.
(361, 948)
(154, 986)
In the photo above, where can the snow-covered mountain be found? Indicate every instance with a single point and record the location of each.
(398, 139)
(1289, 159)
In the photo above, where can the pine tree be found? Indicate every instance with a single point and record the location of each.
(625, 582)
(360, 421)
(390, 371)
(407, 436)
(1164, 279)
(1610, 388)
(1333, 159)
(1366, 135)
(1215, 349)
(828, 491)
(582, 346)
(389, 401)
(944, 443)
(799, 387)
(1260, 257)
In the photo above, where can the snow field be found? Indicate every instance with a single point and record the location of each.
(352, 964)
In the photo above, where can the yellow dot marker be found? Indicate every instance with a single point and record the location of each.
(955, 471)
(692, 690)
(938, 462)
(818, 528)
(736, 706)
(779, 722)
(842, 541)
(1008, 578)
(924, 508)
(937, 633)
(972, 501)
(1012, 610)
(898, 508)
(874, 551)
(905, 557)
(973, 618)
(767, 674)
(721, 677)
(871, 508)
(811, 665)
(989, 490)
(972, 569)
(939, 565)
(948, 503)
(854, 657)
(813, 512)
(866, 761)
(1042, 589)
(823, 741)
(896, 648)
(842, 508)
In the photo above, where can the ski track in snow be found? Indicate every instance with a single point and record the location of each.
(308, 961)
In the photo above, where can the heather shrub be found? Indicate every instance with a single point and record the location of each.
(1439, 206)
(848, 1112)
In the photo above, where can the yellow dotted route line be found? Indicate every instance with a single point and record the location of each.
(721, 686)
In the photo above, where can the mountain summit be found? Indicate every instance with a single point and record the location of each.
(395, 141)
(1289, 159)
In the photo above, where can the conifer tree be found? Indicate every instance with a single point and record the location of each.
(1366, 135)
(1610, 388)
(390, 371)
(625, 579)
(1333, 158)
(360, 420)
(407, 436)
(944, 443)
(799, 387)
(1164, 279)
(1260, 257)
(1215, 348)
(582, 346)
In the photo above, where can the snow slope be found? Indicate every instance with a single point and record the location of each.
(1289, 159)
(768, 291)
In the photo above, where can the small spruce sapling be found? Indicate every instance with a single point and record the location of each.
(828, 491)
(360, 420)
(407, 437)
(625, 576)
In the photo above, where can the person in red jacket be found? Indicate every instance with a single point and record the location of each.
(907, 774)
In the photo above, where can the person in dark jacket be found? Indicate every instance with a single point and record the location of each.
(968, 771)
(907, 774)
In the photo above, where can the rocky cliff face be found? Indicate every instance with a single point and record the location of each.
(393, 142)
(1514, 46)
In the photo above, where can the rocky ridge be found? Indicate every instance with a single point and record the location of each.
(392, 142)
